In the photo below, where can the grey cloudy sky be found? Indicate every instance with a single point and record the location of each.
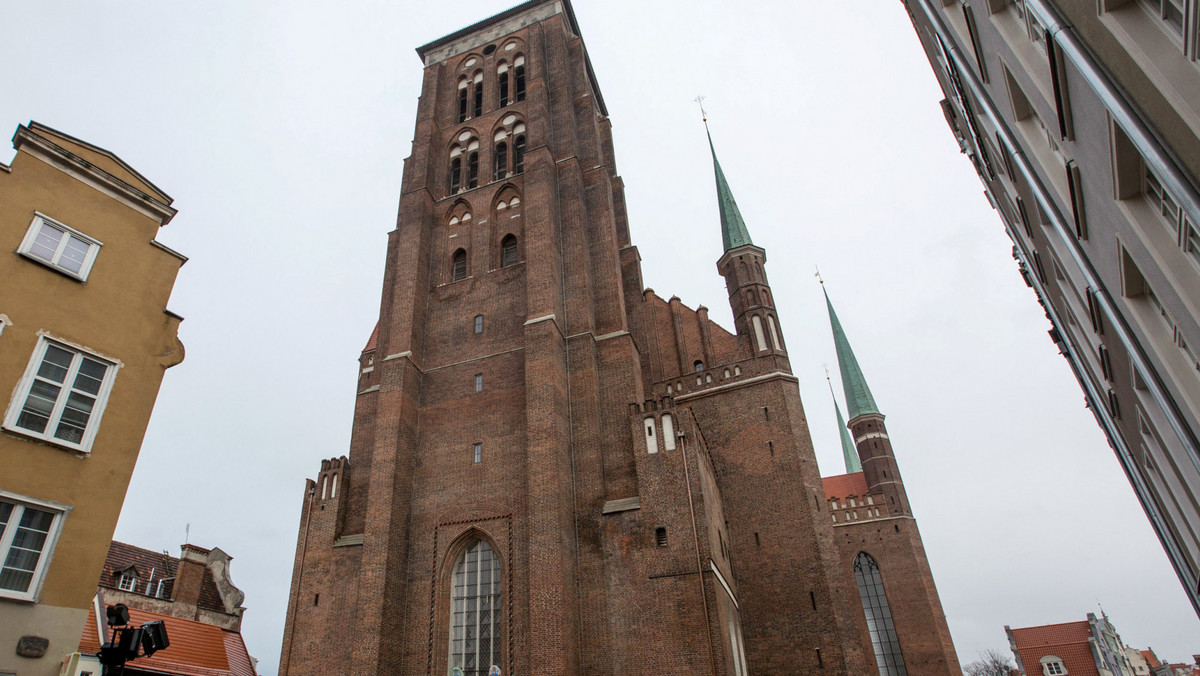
(280, 128)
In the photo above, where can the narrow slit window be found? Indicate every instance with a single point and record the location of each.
(668, 424)
(478, 94)
(502, 79)
(455, 174)
(478, 323)
(473, 169)
(660, 536)
(478, 382)
(477, 452)
(462, 100)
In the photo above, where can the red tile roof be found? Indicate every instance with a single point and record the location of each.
(373, 340)
(1067, 641)
(196, 649)
(122, 556)
(1151, 658)
(844, 485)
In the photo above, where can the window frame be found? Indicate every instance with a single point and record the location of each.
(46, 554)
(469, 576)
(21, 395)
(35, 228)
(131, 579)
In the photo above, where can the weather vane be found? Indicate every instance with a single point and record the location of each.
(703, 114)
(818, 274)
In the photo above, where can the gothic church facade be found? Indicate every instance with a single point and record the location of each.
(553, 470)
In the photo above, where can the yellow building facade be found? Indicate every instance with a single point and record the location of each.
(85, 338)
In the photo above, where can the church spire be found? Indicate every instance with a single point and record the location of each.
(858, 396)
(849, 454)
(733, 228)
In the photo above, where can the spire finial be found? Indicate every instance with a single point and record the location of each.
(822, 281)
(700, 100)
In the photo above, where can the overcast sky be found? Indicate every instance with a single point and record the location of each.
(280, 128)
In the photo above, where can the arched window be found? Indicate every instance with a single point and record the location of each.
(462, 99)
(502, 80)
(478, 108)
(698, 366)
(519, 154)
(519, 77)
(455, 172)
(879, 616)
(508, 251)
(500, 161)
(473, 167)
(458, 266)
(476, 634)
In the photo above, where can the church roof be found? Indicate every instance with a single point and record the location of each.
(196, 648)
(849, 453)
(844, 485)
(858, 396)
(733, 227)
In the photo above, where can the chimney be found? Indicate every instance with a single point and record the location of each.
(192, 564)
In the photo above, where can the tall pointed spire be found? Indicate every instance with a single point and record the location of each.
(849, 453)
(858, 396)
(733, 228)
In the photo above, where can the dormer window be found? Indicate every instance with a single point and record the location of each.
(127, 581)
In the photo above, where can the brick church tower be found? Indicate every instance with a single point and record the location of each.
(553, 470)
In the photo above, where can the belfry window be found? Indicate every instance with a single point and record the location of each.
(458, 267)
(879, 616)
(455, 174)
(462, 99)
(476, 636)
(519, 77)
(500, 161)
(519, 154)
(502, 80)
(473, 169)
(508, 251)
(478, 107)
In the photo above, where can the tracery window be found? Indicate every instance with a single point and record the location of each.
(465, 151)
(475, 617)
(879, 616)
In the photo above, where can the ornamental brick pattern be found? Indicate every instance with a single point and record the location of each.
(645, 477)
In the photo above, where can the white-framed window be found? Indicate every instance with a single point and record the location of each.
(60, 246)
(1052, 666)
(477, 452)
(127, 582)
(28, 532)
(62, 396)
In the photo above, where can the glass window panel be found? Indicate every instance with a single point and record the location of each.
(879, 617)
(55, 364)
(91, 374)
(73, 254)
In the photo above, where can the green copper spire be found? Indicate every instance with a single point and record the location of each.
(733, 228)
(858, 396)
(848, 452)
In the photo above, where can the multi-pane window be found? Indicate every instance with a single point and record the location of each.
(478, 382)
(1175, 218)
(879, 616)
(477, 108)
(478, 323)
(463, 93)
(502, 79)
(510, 135)
(476, 636)
(477, 452)
(1169, 11)
(25, 537)
(1172, 328)
(500, 157)
(62, 395)
(464, 158)
(60, 247)
(126, 582)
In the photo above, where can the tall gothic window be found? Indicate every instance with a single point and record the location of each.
(462, 100)
(473, 169)
(508, 251)
(519, 154)
(475, 629)
(502, 80)
(519, 77)
(501, 161)
(478, 107)
(879, 616)
(455, 174)
(458, 266)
